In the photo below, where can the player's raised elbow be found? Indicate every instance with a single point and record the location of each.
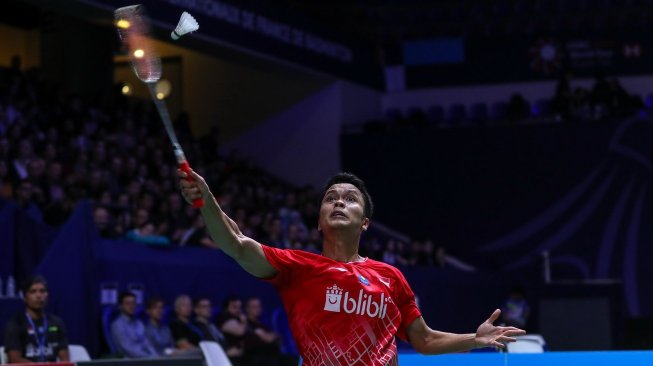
(237, 248)
(251, 257)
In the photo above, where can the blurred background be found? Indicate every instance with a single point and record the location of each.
(506, 144)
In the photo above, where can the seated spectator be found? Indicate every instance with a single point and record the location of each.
(34, 335)
(196, 235)
(157, 333)
(233, 324)
(184, 335)
(104, 223)
(209, 332)
(518, 108)
(261, 343)
(128, 332)
(561, 103)
(146, 234)
(390, 252)
(444, 260)
(28, 198)
(515, 310)
(6, 186)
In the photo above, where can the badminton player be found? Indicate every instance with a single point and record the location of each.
(343, 309)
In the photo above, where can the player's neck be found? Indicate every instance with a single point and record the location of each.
(341, 250)
(34, 313)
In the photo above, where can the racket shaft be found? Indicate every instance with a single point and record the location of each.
(165, 116)
(179, 154)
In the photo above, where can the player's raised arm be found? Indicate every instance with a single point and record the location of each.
(223, 230)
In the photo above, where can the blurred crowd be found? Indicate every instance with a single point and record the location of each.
(157, 330)
(56, 149)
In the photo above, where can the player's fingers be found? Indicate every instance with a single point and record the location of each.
(185, 184)
(494, 316)
(512, 331)
(196, 176)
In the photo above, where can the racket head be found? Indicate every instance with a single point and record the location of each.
(133, 27)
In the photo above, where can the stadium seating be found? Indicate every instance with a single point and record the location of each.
(78, 353)
(213, 354)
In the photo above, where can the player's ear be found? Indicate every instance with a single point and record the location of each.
(366, 223)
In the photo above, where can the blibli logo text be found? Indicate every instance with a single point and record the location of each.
(363, 304)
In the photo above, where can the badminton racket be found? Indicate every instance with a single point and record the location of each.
(134, 32)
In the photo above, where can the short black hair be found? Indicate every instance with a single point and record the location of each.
(199, 299)
(152, 301)
(123, 295)
(31, 281)
(229, 300)
(344, 177)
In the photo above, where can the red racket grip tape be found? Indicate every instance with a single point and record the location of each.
(184, 167)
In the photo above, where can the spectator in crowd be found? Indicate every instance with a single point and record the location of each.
(209, 331)
(196, 235)
(6, 187)
(146, 234)
(601, 96)
(30, 198)
(444, 260)
(104, 223)
(156, 332)
(185, 335)
(516, 310)
(261, 343)
(562, 99)
(390, 252)
(518, 108)
(128, 332)
(35, 335)
(233, 324)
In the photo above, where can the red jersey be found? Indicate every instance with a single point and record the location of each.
(343, 313)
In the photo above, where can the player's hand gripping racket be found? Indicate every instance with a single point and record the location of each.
(134, 31)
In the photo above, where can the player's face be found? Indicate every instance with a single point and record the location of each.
(343, 206)
(36, 297)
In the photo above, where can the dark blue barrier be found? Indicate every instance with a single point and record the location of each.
(24, 240)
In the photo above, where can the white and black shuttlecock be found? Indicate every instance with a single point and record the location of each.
(186, 24)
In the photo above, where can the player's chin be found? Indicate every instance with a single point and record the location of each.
(341, 224)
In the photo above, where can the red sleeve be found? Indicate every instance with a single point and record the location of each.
(406, 303)
(284, 261)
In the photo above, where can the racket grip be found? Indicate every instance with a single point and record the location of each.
(184, 167)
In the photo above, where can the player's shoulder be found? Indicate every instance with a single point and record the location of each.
(297, 254)
(383, 267)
